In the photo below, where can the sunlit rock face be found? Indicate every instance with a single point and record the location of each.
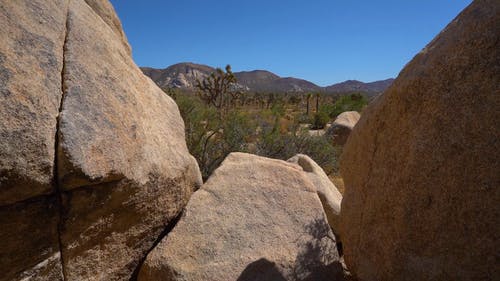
(342, 127)
(93, 160)
(254, 219)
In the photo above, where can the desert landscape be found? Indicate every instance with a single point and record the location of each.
(191, 172)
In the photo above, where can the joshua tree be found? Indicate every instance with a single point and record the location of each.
(309, 95)
(317, 102)
(270, 100)
(215, 88)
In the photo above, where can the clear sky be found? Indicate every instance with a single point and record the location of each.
(323, 41)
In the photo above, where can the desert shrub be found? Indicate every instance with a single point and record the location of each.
(274, 144)
(200, 122)
(321, 150)
(238, 131)
(265, 132)
(353, 102)
(233, 135)
(278, 109)
(294, 99)
(303, 119)
(319, 120)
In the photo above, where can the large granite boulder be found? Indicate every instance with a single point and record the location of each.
(31, 61)
(93, 161)
(341, 128)
(254, 219)
(422, 169)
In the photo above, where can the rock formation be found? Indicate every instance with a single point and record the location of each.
(94, 167)
(342, 127)
(31, 61)
(93, 161)
(328, 194)
(421, 168)
(254, 219)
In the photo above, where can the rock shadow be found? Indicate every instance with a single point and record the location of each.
(318, 258)
(261, 270)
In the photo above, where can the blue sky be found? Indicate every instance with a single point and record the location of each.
(323, 41)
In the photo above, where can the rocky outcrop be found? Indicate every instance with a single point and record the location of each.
(328, 194)
(93, 161)
(342, 127)
(254, 219)
(181, 75)
(421, 167)
(31, 61)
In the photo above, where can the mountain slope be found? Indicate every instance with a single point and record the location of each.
(355, 86)
(181, 75)
(184, 75)
(265, 81)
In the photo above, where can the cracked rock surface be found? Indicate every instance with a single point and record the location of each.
(93, 160)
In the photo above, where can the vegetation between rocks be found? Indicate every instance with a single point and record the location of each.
(220, 120)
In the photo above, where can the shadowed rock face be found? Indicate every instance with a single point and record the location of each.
(254, 219)
(261, 270)
(421, 167)
(93, 161)
(29, 240)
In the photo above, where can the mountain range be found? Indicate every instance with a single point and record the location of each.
(185, 75)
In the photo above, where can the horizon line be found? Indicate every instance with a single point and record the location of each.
(330, 84)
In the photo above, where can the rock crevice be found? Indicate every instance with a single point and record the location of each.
(170, 226)
(57, 188)
(82, 125)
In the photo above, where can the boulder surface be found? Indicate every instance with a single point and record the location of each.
(93, 159)
(341, 128)
(328, 194)
(31, 61)
(254, 219)
(421, 167)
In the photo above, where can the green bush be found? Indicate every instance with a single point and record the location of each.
(319, 120)
(354, 102)
(233, 135)
(303, 119)
(265, 132)
(274, 144)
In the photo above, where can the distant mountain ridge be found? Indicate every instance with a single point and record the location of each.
(185, 75)
(181, 75)
(354, 85)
